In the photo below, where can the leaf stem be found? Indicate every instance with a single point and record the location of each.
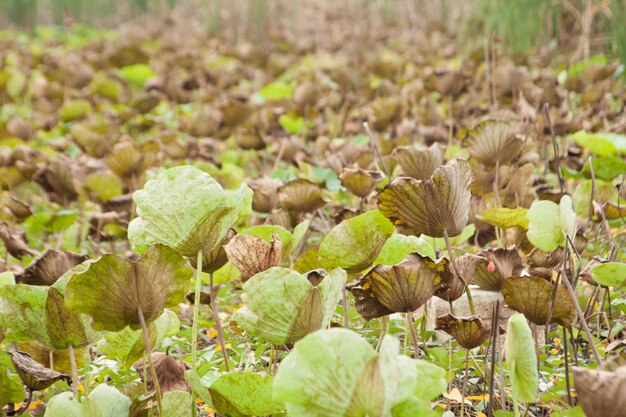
(581, 315)
(411, 324)
(72, 355)
(148, 349)
(456, 272)
(218, 322)
(196, 313)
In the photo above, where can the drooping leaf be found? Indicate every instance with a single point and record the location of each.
(521, 359)
(282, 306)
(419, 164)
(241, 394)
(495, 142)
(354, 244)
(533, 297)
(113, 288)
(251, 255)
(185, 209)
(336, 373)
(499, 264)
(301, 195)
(601, 393)
(49, 267)
(549, 223)
(34, 375)
(610, 274)
(169, 372)
(469, 332)
(359, 181)
(431, 206)
(39, 314)
(400, 288)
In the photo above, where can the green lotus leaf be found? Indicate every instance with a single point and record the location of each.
(430, 206)
(282, 306)
(39, 313)
(606, 168)
(104, 184)
(434, 381)
(103, 401)
(533, 297)
(438, 242)
(401, 288)
(336, 373)
(127, 345)
(173, 404)
(549, 223)
(601, 143)
(505, 217)
(398, 247)
(521, 359)
(113, 288)
(581, 198)
(609, 274)
(240, 394)
(185, 209)
(413, 407)
(354, 244)
(11, 389)
(7, 278)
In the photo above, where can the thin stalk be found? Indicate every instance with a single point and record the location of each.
(344, 305)
(196, 314)
(605, 223)
(496, 185)
(411, 324)
(494, 341)
(464, 382)
(450, 120)
(218, 322)
(148, 349)
(377, 156)
(581, 315)
(384, 324)
(456, 272)
(555, 147)
(26, 403)
(567, 383)
(74, 371)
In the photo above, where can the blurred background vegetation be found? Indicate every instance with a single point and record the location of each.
(582, 27)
